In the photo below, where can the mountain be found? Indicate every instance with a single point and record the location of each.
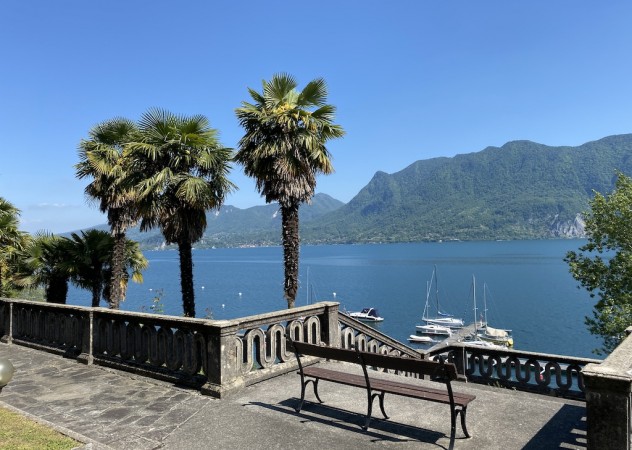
(522, 190)
(232, 227)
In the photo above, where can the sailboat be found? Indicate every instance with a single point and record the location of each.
(443, 319)
(496, 335)
(475, 339)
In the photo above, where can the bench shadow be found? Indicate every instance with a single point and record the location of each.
(566, 429)
(379, 429)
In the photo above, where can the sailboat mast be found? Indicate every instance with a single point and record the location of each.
(307, 286)
(474, 294)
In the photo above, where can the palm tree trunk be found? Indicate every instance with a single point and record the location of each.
(291, 242)
(118, 270)
(186, 277)
(96, 294)
(57, 289)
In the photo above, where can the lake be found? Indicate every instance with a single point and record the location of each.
(530, 289)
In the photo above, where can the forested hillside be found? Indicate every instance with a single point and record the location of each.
(521, 190)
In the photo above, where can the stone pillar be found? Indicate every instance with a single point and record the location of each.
(87, 336)
(609, 399)
(6, 322)
(223, 361)
(330, 327)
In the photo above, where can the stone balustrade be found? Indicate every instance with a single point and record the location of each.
(528, 371)
(216, 356)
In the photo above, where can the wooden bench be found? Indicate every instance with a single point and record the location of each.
(379, 387)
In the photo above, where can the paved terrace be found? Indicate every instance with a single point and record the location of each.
(105, 408)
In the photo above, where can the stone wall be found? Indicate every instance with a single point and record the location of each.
(609, 399)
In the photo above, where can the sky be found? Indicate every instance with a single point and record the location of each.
(411, 80)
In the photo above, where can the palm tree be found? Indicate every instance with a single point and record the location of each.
(284, 149)
(181, 170)
(102, 158)
(88, 258)
(89, 262)
(12, 243)
(45, 265)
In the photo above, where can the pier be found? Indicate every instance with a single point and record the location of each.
(458, 335)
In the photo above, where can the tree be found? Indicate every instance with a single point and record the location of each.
(102, 158)
(605, 270)
(45, 264)
(134, 262)
(283, 148)
(12, 243)
(89, 262)
(89, 255)
(181, 172)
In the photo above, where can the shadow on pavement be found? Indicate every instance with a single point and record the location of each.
(379, 429)
(567, 429)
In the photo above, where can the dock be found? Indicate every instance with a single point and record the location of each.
(458, 335)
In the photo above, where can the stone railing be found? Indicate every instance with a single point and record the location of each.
(354, 333)
(535, 372)
(609, 399)
(216, 356)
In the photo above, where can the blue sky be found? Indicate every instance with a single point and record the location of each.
(410, 79)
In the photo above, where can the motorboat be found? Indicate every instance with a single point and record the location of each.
(367, 315)
(420, 339)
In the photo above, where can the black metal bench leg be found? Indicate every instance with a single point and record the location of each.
(382, 404)
(369, 410)
(302, 400)
(453, 415)
(463, 412)
(315, 382)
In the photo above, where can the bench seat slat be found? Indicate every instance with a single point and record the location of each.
(388, 386)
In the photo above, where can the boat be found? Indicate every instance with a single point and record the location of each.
(495, 335)
(475, 339)
(367, 315)
(420, 339)
(434, 329)
(442, 319)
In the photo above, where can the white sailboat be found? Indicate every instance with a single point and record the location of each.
(442, 319)
(475, 339)
(495, 335)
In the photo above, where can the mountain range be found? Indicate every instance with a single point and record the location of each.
(522, 190)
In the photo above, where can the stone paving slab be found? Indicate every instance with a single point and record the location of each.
(109, 409)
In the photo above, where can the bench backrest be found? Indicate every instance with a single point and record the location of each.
(436, 370)
(338, 354)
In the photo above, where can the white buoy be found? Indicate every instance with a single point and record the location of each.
(223, 305)
(150, 289)
(240, 294)
(334, 295)
(202, 287)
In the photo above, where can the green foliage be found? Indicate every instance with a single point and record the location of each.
(12, 244)
(604, 265)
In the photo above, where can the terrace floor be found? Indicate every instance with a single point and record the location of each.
(105, 408)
